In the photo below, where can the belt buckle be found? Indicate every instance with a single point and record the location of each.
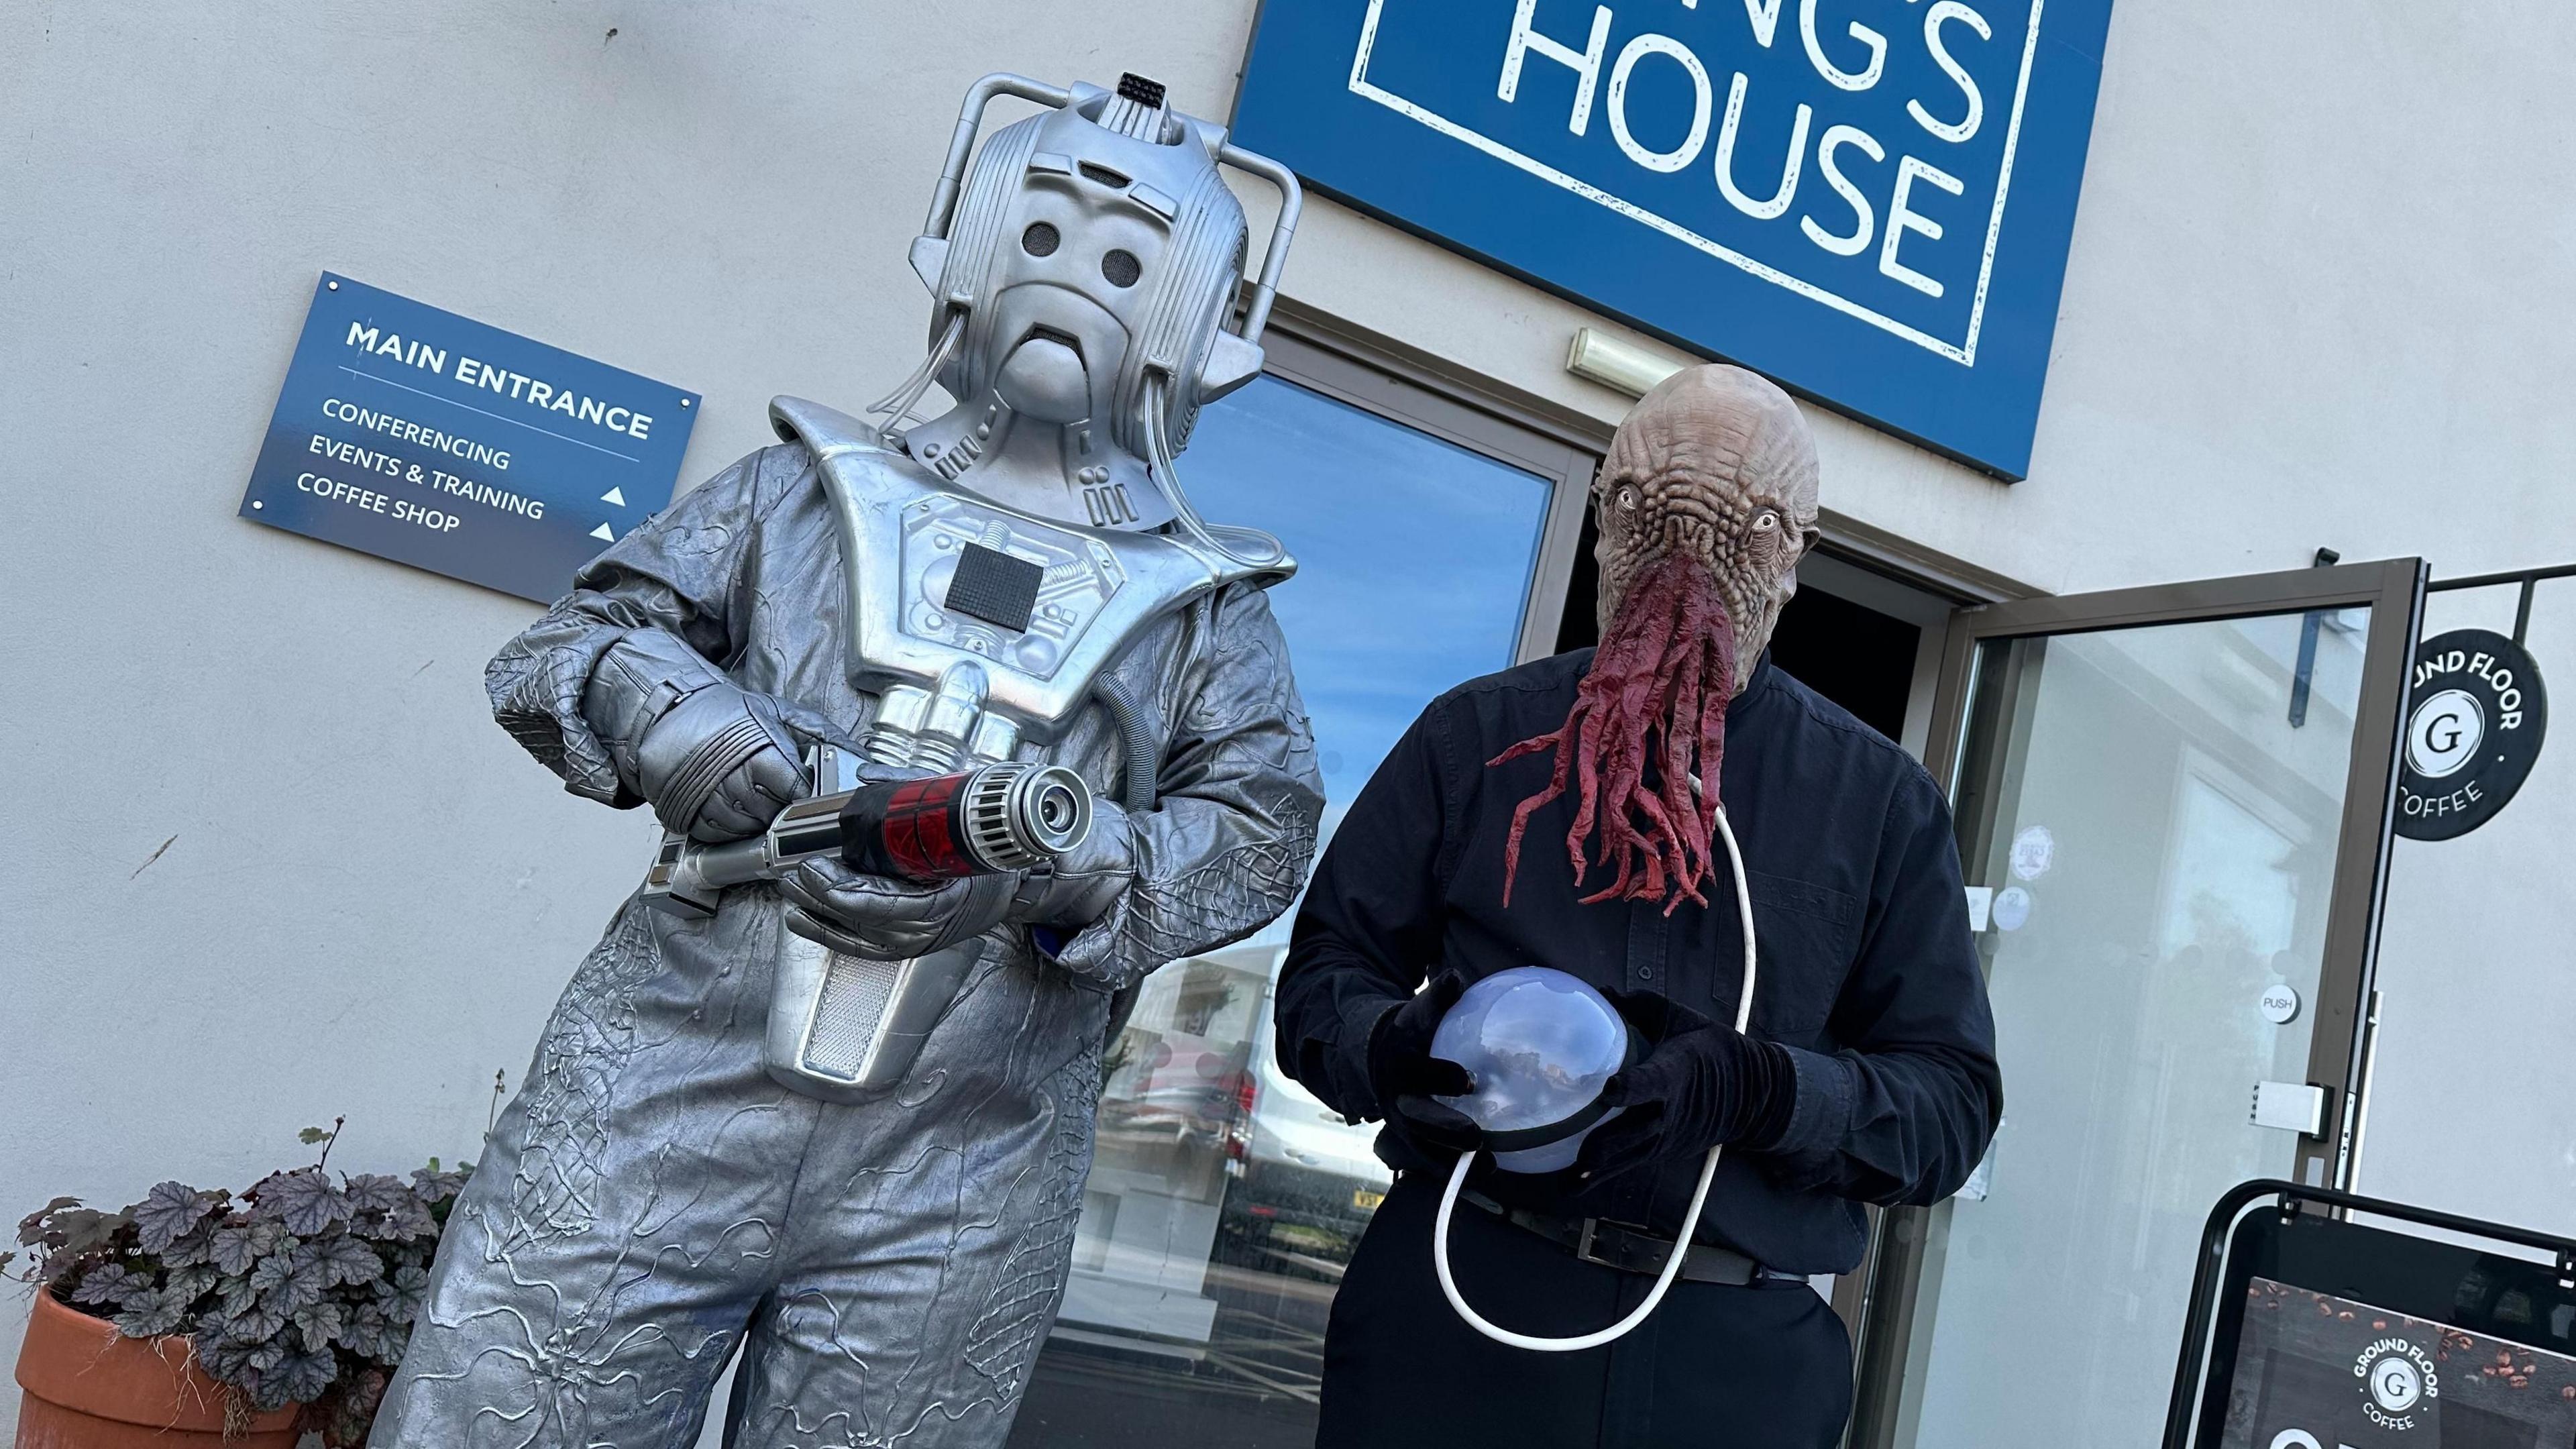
(1583, 1245)
(1591, 1231)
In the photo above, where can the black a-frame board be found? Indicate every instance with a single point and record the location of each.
(2321, 1320)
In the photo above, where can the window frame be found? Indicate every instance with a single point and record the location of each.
(1300, 347)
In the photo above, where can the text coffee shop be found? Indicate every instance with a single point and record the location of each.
(2167, 520)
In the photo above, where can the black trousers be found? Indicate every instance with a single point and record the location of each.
(1764, 1365)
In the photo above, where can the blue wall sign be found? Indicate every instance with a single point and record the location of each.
(1868, 200)
(431, 439)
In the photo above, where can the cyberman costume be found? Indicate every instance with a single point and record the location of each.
(840, 1122)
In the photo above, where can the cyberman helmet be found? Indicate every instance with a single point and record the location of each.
(1082, 275)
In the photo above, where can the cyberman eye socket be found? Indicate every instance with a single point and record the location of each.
(1040, 240)
(1121, 267)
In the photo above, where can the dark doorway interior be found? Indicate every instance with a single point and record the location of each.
(1851, 654)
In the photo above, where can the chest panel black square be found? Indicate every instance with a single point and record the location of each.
(994, 586)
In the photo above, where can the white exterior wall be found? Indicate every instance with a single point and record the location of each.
(2317, 297)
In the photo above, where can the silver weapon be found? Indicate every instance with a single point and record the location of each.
(842, 1027)
(1009, 816)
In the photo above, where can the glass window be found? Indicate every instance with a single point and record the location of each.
(1224, 1198)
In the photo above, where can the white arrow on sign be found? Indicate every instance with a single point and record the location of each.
(614, 495)
(602, 533)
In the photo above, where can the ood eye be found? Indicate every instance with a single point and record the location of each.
(1765, 521)
(1121, 268)
(1040, 239)
(1626, 498)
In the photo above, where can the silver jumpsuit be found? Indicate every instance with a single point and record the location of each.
(652, 1201)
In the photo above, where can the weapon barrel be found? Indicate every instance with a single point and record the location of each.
(993, 818)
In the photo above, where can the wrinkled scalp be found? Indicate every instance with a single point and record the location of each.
(1724, 424)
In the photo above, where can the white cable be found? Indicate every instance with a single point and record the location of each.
(1699, 1194)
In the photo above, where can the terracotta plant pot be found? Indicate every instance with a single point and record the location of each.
(90, 1387)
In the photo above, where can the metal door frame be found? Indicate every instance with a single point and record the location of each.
(2394, 591)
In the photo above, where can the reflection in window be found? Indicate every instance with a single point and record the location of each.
(1224, 1198)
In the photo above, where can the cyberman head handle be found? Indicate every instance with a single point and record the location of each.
(1082, 272)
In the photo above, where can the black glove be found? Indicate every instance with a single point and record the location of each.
(1404, 1075)
(1701, 1084)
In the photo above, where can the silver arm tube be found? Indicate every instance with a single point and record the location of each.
(1140, 755)
(970, 119)
(1274, 260)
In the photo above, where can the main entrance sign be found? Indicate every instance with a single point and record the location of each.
(1868, 200)
(431, 439)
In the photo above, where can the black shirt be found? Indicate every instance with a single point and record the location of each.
(1868, 974)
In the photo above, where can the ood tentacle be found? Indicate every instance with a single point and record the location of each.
(1656, 693)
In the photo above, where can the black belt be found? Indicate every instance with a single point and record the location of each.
(1633, 1249)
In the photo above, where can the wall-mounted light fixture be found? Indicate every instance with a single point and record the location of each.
(1626, 367)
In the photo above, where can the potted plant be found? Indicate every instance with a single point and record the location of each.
(199, 1316)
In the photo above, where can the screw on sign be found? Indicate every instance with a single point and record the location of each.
(2473, 734)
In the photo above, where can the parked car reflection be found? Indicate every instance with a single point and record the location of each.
(1303, 1181)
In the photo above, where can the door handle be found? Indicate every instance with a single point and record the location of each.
(2291, 1106)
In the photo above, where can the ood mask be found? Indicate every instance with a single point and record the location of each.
(1705, 504)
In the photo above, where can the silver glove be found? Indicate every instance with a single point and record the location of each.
(1085, 882)
(716, 761)
(884, 919)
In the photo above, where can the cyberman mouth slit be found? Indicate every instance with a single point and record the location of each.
(1041, 332)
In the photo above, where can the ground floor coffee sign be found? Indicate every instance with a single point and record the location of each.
(2472, 735)
(2318, 1371)
(434, 440)
(1868, 200)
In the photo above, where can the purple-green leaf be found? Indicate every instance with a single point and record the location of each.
(302, 1377)
(407, 1219)
(170, 1209)
(345, 1259)
(255, 1323)
(319, 1322)
(31, 1228)
(194, 1280)
(155, 1313)
(222, 1355)
(403, 1295)
(240, 1242)
(291, 1280)
(303, 1199)
(438, 1186)
(375, 1192)
(109, 1283)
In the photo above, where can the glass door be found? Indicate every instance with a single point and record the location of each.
(2172, 805)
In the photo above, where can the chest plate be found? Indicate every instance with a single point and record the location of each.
(980, 628)
(964, 564)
